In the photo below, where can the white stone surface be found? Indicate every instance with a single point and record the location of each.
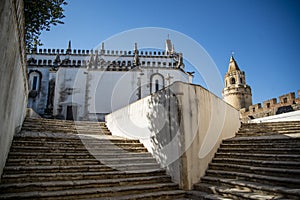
(108, 91)
(13, 83)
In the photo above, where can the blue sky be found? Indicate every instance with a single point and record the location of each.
(264, 34)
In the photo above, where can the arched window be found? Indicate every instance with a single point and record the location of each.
(232, 81)
(157, 82)
(34, 80)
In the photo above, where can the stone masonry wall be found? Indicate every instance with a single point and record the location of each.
(287, 103)
(13, 80)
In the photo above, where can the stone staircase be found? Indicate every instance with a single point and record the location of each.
(54, 159)
(261, 162)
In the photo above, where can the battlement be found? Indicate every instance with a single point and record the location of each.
(105, 59)
(88, 52)
(287, 102)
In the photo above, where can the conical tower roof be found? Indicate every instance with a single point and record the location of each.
(233, 66)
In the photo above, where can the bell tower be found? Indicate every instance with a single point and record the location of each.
(236, 92)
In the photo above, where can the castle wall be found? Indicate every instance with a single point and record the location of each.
(285, 103)
(13, 83)
(182, 126)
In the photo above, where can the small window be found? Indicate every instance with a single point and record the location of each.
(268, 105)
(253, 109)
(34, 83)
(232, 80)
(284, 100)
(241, 80)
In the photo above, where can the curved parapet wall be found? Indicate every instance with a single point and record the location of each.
(182, 126)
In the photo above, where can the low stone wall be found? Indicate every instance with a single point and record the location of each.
(290, 116)
(13, 82)
(182, 126)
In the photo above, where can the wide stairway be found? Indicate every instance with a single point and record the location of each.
(52, 159)
(261, 162)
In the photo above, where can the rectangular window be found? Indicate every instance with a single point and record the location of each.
(34, 83)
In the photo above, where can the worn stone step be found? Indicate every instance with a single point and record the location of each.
(56, 155)
(48, 161)
(101, 160)
(261, 140)
(268, 171)
(262, 150)
(54, 169)
(52, 128)
(160, 195)
(80, 184)
(200, 195)
(93, 192)
(259, 163)
(70, 139)
(284, 192)
(234, 192)
(271, 180)
(88, 154)
(79, 146)
(127, 160)
(112, 148)
(11, 178)
(259, 156)
(292, 144)
(80, 168)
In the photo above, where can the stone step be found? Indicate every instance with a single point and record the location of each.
(284, 123)
(276, 172)
(234, 192)
(280, 191)
(73, 131)
(292, 144)
(78, 145)
(79, 184)
(200, 195)
(261, 140)
(259, 156)
(254, 150)
(38, 155)
(104, 166)
(13, 169)
(54, 169)
(247, 134)
(51, 161)
(93, 192)
(42, 155)
(112, 148)
(35, 177)
(275, 181)
(71, 139)
(36, 160)
(161, 195)
(259, 163)
(270, 129)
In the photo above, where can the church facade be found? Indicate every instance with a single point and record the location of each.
(78, 84)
